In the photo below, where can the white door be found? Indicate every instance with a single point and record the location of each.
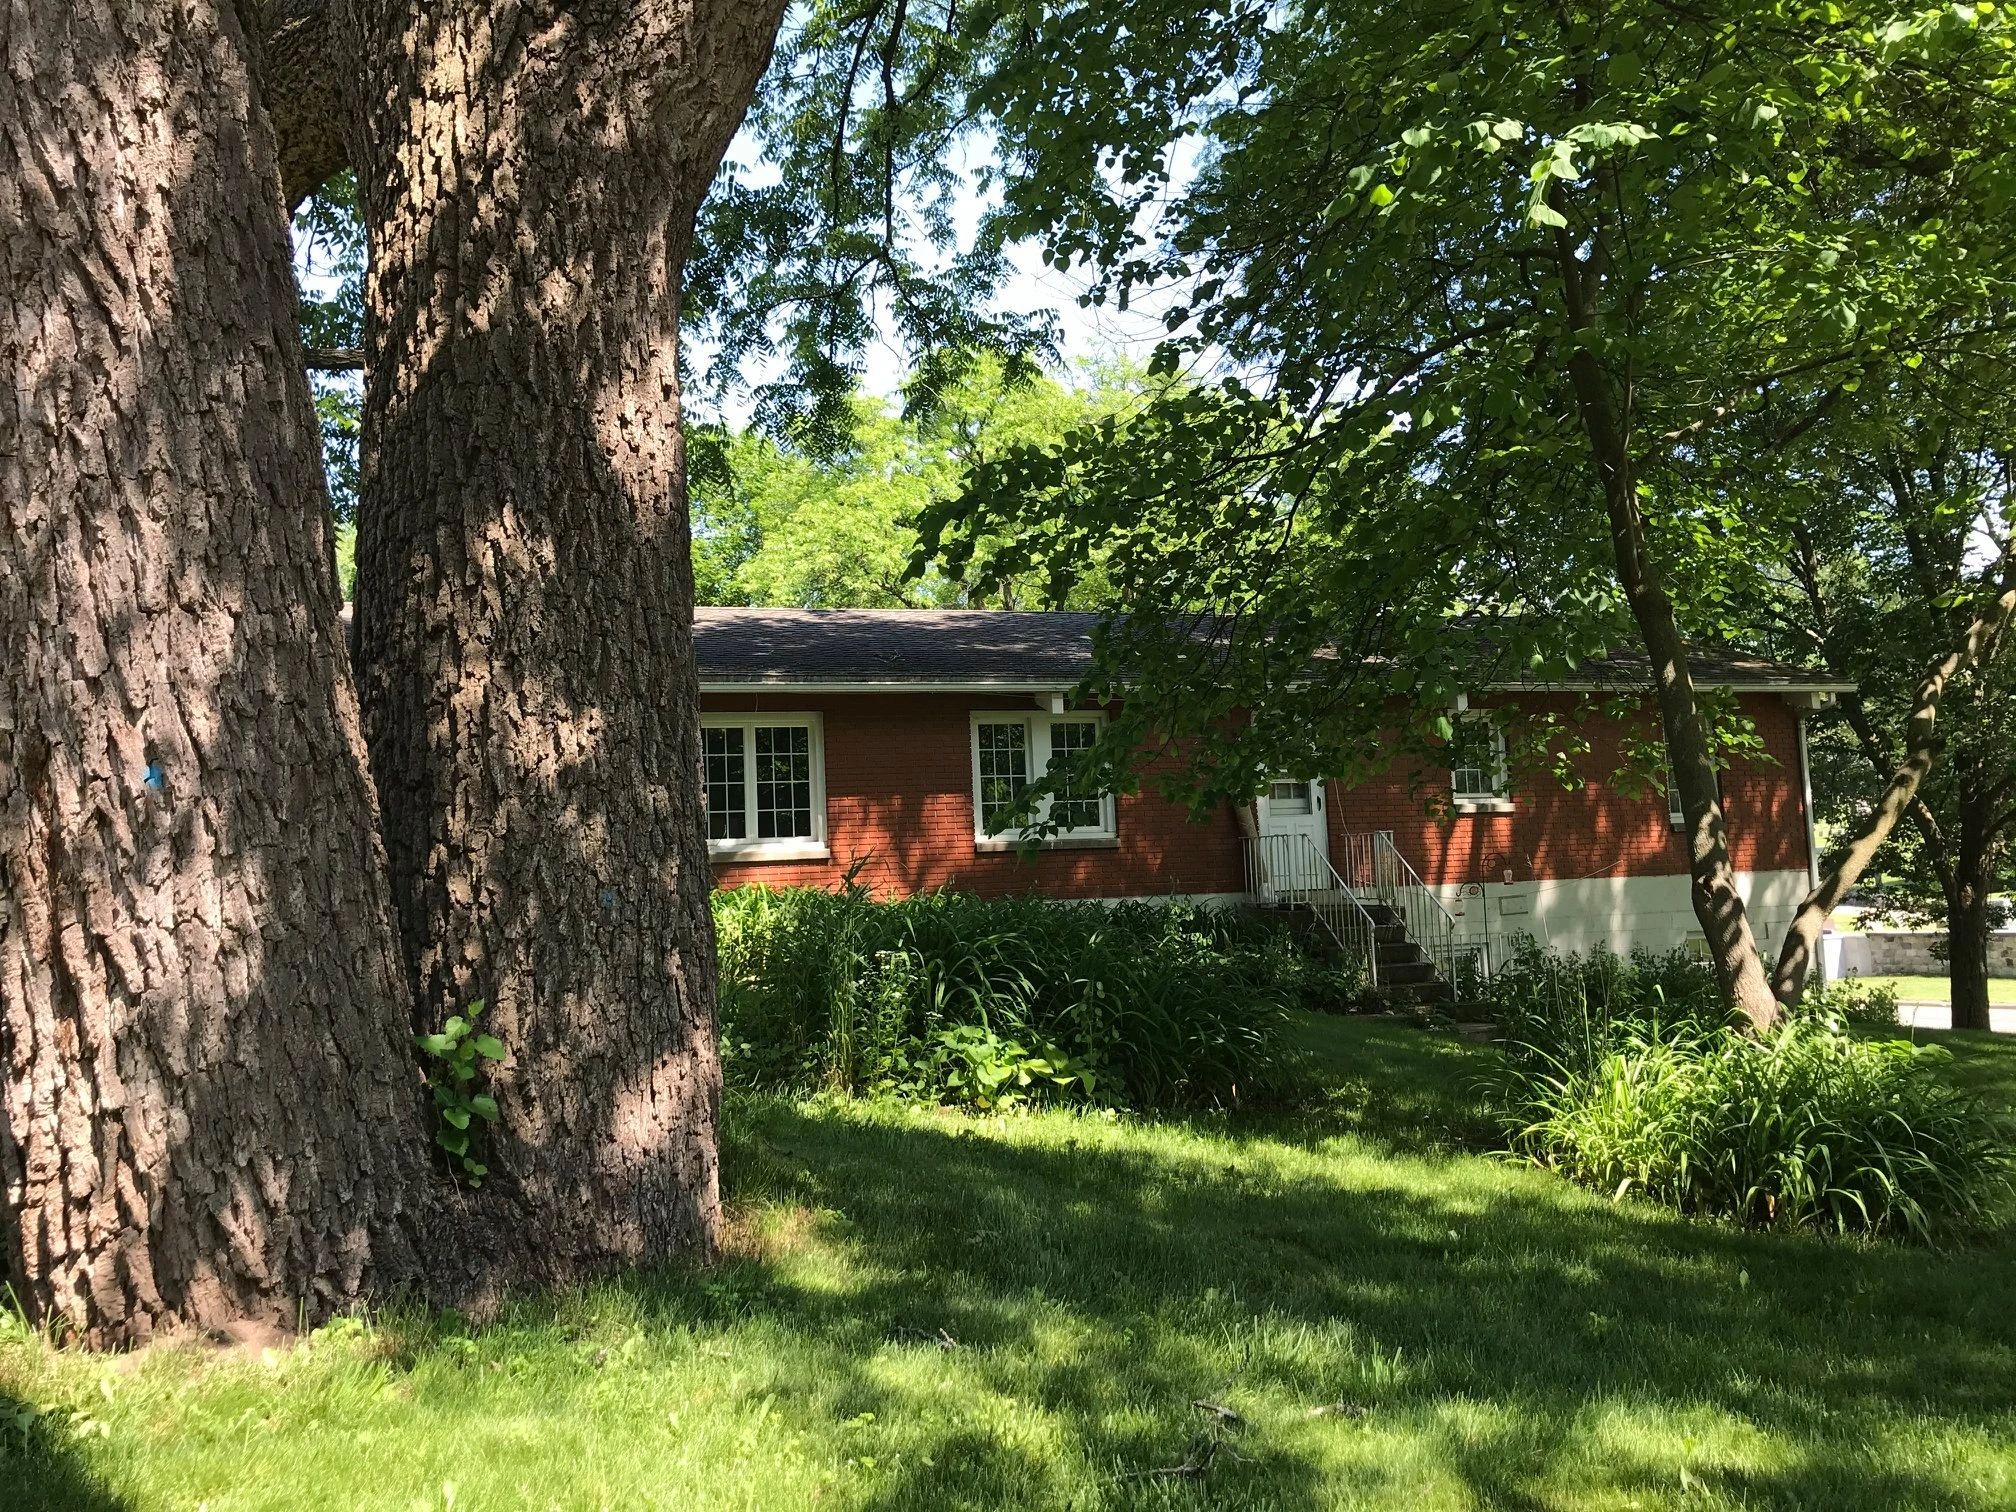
(1294, 836)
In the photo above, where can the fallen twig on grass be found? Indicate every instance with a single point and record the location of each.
(941, 1337)
(1340, 1409)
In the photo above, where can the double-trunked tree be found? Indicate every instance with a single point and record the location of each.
(210, 966)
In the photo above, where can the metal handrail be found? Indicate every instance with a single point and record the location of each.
(1290, 868)
(1421, 911)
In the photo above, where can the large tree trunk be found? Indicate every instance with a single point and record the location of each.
(302, 72)
(530, 174)
(208, 1105)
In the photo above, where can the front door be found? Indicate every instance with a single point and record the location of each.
(1294, 836)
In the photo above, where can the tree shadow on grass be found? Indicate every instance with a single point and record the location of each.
(39, 1472)
(1500, 1317)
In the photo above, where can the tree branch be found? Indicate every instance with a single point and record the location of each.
(300, 75)
(1920, 750)
(333, 359)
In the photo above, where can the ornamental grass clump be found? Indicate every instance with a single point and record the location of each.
(1804, 1127)
(1577, 1009)
(994, 1002)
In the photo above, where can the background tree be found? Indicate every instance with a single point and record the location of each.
(836, 528)
(208, 1110)
(1535, 263)
(1910, 544)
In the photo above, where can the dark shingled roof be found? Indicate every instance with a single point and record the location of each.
(988, 648)
(970, 647)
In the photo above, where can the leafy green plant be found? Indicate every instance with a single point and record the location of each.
(1851, 1001)
(454, 1058)
(1806, 1127)
(998, 1001)
(975, 1065)
(1574, 1010)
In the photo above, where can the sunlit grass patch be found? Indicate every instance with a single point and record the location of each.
(916, 1310)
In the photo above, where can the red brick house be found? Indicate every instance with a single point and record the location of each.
(883, 740)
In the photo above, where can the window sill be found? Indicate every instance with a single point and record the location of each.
(1483, 805)
(996, 844)
(767, 850)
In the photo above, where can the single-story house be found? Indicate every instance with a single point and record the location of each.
(883, 743)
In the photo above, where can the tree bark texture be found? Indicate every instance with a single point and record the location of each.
(209, 1109)
(1967, 914)
(529, 174)
(302, 73)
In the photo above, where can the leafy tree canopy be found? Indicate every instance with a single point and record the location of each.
(836, 527)
(1427, 244)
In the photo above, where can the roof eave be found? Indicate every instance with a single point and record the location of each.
(914, 685)
(1726, 685)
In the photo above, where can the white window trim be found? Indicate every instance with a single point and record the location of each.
(794, 848)
(1499, 802)
(1039, 748)
(1674, 816)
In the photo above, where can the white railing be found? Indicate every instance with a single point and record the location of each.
(1391, 879)
(1290, 869)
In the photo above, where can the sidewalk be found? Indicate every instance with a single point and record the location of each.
(1940, 1016)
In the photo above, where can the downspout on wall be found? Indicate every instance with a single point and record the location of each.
(1812, 839)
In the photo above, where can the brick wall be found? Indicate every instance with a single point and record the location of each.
(899, 800)
(1595, 831)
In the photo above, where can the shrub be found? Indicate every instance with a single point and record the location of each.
(1576, 1009)
(992, 1002)
(1804, 1127)
(1850, 1002)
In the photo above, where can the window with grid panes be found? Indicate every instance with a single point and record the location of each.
(727, 817)
(1002, 750)
(783, 782)
(1077, 804)
(1477, 765)
(764, 784)
(1009, 748)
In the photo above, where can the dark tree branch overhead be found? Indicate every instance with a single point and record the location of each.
(333, 359)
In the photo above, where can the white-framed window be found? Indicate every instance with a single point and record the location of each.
(1010, 750)
(766, 785)
(1479, 771)
(1291, 799)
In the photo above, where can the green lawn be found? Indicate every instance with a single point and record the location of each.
(930, 1311)
(1939, 989)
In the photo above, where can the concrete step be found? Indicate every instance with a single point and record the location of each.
(1406, 973)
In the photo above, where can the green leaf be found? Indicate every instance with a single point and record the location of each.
(489, 1047)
